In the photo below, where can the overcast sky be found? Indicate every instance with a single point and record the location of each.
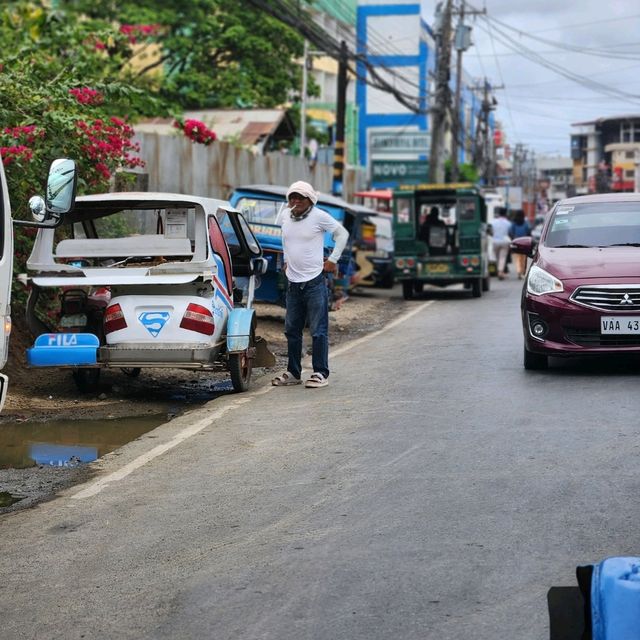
(538, 105)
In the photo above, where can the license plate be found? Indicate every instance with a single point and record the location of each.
(436, 267)
(615, 325)
(73, 320)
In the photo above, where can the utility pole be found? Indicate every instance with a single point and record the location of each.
(442, 98)
(303, 102)
(462, 43)
(338, 154)
(482, 154)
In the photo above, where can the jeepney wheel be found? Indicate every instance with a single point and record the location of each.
(241, 365)
(407, 289)
(486, 283)
(476, 288)
(86, 380)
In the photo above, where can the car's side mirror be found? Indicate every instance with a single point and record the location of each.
(258, 266)
(59, 197)
(61, 186)
(523, 245)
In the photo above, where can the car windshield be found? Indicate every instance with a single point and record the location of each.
(602, 224)
(258, 210)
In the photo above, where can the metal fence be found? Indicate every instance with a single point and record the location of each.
(175, 164)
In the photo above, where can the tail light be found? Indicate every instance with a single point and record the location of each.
(464, 261)
(411, 262)
(400, 263)
(198, 318)
(114, 319)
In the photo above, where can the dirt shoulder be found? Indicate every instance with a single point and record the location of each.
(41, 395)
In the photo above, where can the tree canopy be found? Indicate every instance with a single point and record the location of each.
(214, 53)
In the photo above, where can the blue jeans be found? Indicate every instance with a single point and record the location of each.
(308, 303)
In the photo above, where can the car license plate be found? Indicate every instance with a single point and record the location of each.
(436, 267)
(616, 325)
(73, 320)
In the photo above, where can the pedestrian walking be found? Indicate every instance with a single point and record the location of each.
(500, 228)
(303, 227)
(520, 228)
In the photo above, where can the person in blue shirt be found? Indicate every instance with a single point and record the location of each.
(519, 229)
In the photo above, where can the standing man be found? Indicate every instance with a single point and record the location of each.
(500, 228)
(303, 228)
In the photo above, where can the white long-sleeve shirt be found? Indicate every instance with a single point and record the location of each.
(303, 243)
(501, 227)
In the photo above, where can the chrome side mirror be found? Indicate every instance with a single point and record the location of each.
(60, 196)
(38, 208)
(259, 266)
(61, 186)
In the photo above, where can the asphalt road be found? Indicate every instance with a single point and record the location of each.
(435, 490)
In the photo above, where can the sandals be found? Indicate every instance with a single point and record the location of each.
(316, 380)
(285, 379)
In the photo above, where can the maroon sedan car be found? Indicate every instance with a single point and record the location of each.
(582, 292)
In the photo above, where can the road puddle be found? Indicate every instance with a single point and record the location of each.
(68, 443)
(7, 499)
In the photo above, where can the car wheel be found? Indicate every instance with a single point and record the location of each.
(241, 365)
(476, 288)
(86, 380)
(535, 361)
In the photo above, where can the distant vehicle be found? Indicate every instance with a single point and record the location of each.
(260, 205)
(168, 266)
(493, 199)
(441, 237)
(581, 295)
(375, 253)
(536, 230)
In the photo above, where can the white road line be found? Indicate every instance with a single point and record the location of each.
(93, 488)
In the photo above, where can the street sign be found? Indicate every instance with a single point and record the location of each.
(395, 172)
(396, 142)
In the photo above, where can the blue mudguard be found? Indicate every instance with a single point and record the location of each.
(64, 350)
(615, 599)
(239, 329)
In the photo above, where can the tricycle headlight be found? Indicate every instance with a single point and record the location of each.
(540, 282)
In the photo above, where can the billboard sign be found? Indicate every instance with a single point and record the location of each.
(399, 142)
(391, 173)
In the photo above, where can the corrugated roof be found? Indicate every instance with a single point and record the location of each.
(250, 126)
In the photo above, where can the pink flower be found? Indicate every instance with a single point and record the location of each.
(86, 95)
(196, 131)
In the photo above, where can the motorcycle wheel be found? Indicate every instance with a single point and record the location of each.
(241, 365)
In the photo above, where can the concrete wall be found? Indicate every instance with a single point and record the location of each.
(175, 164)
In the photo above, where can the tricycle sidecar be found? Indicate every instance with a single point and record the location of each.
(159, 274)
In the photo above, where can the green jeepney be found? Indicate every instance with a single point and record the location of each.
(441, 237)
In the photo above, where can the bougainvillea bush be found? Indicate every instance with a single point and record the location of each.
(64, 93)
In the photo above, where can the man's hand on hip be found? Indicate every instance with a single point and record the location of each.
(329, 267)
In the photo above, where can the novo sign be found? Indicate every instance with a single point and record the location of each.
(405, 142)
(399, 171)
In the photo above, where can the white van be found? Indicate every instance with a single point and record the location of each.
(493, 200)
(47, 212)
(6, 274)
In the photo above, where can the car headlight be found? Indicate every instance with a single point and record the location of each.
(540, 282)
